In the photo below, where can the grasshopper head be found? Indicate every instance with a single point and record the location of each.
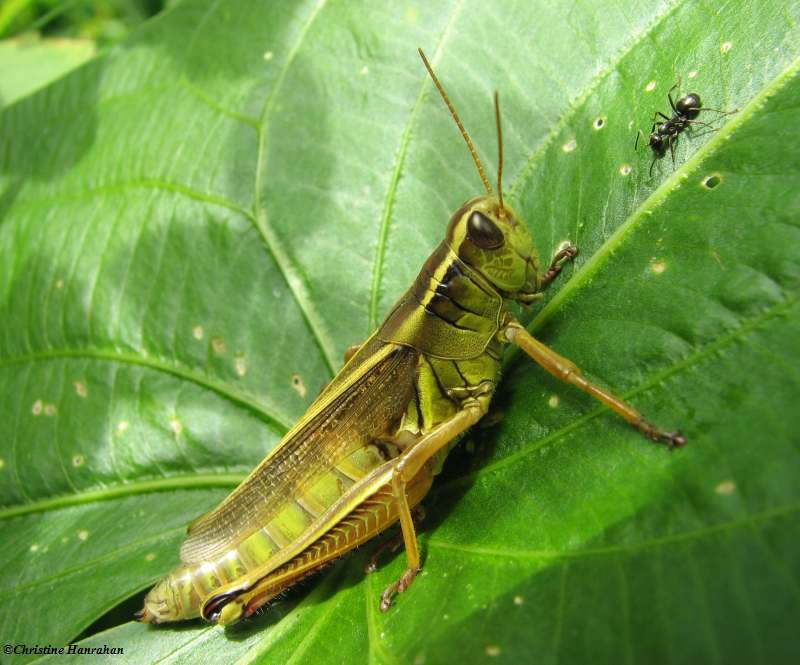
(490, 237)
(486, 233)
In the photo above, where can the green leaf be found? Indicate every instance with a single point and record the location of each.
(194, 226)
(28, 63)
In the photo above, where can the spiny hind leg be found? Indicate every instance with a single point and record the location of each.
(412, 463)
(393, 543)
(567, 252)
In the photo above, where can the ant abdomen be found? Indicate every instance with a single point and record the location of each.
(689, 106)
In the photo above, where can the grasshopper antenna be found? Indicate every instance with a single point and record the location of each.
(463, 131)
(501, 212)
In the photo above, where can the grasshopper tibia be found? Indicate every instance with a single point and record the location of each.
(393, 543)
(567, 371)
(410, 465)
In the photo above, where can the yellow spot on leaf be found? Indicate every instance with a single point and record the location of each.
(298, 385)
(692, 74)
(83, 534)
(240, 364)
(650, 86)
(34, 547)
(625, 169)
(218, 344)
(37, 407)
(150, 556)
(176, 426)
(50, 409)
(78, 460)
(59, 284)
(2, 463)
(725, 488)
(268, 55)
(518, 600)
(122, 426)
(198, 332)
(553, 401)
(570, 145)
(80, 388)
(493, 650)
(658, 267)
(725, 47)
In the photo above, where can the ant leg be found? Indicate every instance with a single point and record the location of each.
(657, 113)
(652, 164)
(706, 108)
(697, 122)
(672, 148)
(669, 95)
(636, 143)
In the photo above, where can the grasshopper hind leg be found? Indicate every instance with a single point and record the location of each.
(411, 465)
(393, 543)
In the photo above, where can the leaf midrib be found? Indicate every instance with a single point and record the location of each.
(705, 531)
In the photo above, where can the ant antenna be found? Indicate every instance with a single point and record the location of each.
(501, 212)
(463, 131)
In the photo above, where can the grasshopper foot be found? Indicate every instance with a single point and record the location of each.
(397, 587)
(671, 439)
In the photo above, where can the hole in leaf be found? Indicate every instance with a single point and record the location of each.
(712, 181)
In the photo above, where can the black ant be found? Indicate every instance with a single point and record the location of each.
(664, 134)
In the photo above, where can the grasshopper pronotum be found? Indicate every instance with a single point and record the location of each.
(366, 451)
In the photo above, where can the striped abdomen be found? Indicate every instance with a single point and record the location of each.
(371, 517)
(181, 594)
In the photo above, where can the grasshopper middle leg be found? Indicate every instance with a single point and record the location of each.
(568, 372)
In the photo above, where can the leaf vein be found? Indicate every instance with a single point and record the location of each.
(400, 161)
(267, 414)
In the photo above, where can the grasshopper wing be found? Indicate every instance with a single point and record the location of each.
(363, 404)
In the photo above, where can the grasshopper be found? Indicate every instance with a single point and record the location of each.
(366, 451)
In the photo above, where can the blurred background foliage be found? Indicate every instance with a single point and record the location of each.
(41, 40)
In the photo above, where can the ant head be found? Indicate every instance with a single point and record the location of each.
(658, 143)
(689, 105)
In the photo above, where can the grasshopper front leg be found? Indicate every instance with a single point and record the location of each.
(568, 372)
(567, 253)
(411, 464)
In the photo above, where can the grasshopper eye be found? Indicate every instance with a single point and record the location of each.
(483, 231)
